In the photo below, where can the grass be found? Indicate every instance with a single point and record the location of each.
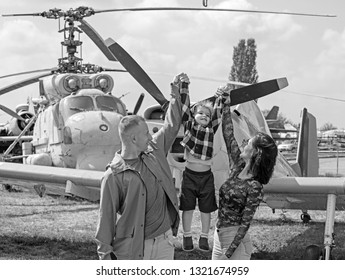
(63, 229)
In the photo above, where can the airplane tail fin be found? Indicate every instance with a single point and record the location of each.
(273, 114)
(307, 155)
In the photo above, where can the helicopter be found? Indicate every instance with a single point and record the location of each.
(76, 116)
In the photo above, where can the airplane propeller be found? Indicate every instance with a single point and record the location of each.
(138, 104)
(11, 113)
(26, 128)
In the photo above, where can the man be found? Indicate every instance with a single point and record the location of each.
(139, 187)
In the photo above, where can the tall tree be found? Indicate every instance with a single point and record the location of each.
(327, 126)
(244, 62)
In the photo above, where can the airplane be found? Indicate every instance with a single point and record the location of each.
(74, 131)
(10, 130)
(279, 130)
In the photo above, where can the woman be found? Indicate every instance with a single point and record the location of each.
(240, 195)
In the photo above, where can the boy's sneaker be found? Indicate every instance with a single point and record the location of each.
(203, 244)
(187, 244)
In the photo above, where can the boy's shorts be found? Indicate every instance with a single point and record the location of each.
(198, 185)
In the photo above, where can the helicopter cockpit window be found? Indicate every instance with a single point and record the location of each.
(78, 104)
(110, 103)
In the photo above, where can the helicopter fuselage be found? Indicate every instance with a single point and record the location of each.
(79, 130)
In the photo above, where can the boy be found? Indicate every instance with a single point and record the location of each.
(200, 124)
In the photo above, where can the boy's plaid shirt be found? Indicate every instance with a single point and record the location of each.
(197, 138)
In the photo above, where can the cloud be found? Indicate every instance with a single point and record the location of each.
(335, 48)
(330, 63)
(26, 47)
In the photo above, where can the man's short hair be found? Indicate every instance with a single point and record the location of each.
(128, 122)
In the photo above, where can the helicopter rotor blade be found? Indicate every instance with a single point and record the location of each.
(29, 72)
(113, 70)
(82, 12)
(116, 53)
(22, 83)
(22, 15)
(136, 71)
(57, 13)
(96, 38)
(11, 113)
(209, 9)
(138, 104)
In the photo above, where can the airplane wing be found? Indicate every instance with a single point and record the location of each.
(277, 130)
(12, 138)
(309, 193)
(54, 180)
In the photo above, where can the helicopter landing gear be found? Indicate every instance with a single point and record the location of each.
(40, 190)
(7, 187)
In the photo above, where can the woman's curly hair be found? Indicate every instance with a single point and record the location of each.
(264, 159)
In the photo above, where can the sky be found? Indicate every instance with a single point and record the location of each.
(308, 51)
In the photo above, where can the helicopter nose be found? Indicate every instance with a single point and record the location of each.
(95, 128)
(93, 139)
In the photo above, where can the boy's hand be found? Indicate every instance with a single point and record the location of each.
(181, 78)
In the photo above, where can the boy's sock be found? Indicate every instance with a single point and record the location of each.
(203, 242)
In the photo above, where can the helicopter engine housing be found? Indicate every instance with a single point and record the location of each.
(80, 131)
(16, 126)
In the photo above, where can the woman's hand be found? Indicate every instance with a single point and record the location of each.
(225, 92)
